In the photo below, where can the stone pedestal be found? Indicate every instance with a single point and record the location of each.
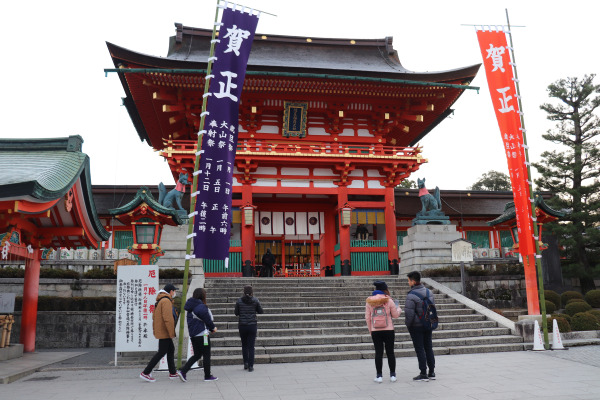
(174, 243)
(426, 247)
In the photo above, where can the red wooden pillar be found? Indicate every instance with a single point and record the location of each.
(248, 238)
(328, 241)
(390, 226)
(344, 233)
(30, 301)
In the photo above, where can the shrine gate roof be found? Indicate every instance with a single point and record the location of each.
(333, 70)
(544, 212)
(356, 57)
(37, 178)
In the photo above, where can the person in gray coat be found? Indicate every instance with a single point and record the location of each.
(420, 336)
(246, 308)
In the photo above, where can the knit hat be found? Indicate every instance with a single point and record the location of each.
(168, 287)
(380, 285)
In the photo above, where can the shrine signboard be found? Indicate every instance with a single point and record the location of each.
(137, 286)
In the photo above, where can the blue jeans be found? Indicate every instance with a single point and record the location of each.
(421, 339)
(248, 337)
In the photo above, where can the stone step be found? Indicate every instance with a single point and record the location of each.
(312, 319)
(288, 324)
(398, 345)
(447, 316)
(348, 330)
(306, 302)
(363, 354)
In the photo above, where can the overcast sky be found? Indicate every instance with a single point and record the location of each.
(54, 53)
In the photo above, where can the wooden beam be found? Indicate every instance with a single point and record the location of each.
(412, 117)
(172, 108)
(161, 95)
(421, 107)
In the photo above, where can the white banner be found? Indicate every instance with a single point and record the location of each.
(137, 286)
(289, 223)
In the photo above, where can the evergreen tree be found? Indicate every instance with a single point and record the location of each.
(572, 174)
(407, 183)
(492, 180)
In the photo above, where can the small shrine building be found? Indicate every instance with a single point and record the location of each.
(328, 128)
(46, 202)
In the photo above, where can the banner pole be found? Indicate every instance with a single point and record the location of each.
(194, 189)
(537, 239)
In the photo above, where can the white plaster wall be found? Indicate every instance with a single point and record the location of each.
(374, 185)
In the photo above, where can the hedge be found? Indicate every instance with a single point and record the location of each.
(454, 271)
(553, 297)
(596, 313)
(566, 296)
(96, 273)
(550, 307)
(584, 321)
(565, 316)
(563, 324)
(577, 307)
(55, 303)
(576, 301)
(593, 298)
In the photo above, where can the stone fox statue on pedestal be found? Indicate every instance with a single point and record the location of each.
(173, 198)
(428, 201)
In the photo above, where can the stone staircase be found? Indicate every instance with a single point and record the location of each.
(322, 319)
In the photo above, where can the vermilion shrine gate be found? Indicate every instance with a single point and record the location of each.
(327, 129)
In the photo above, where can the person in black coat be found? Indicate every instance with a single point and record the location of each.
(268, 260)
(246, 308)
(200, 325)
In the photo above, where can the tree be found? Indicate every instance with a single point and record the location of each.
(492, 180)
(408, 184)
(572, 173)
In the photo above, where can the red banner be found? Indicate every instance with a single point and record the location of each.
(501, 81)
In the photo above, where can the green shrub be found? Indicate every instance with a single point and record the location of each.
(595, 313)
(566, 296)
(577, 307)
(170, 273)
(584, 321)
(553, 297)
(565, 316)
(97, 273)
(593, 298)
(12, 272)
(550, 307)
(576, 301)
(55, 303)
(52, 273)
(563, 324)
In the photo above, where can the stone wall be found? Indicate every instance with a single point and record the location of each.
(71, 287)
(491, 292)
(70, 329)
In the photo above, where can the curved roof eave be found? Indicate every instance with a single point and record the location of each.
(120, 54)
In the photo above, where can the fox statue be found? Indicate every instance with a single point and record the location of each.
(429, 202)
(172, 199)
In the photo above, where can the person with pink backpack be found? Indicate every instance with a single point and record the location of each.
(379, 311)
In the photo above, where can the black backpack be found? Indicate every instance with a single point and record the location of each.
(429, 318)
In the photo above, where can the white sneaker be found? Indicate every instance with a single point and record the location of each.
(378, 379)
(393, 378)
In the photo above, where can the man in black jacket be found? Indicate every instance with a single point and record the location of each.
(268, 260)
(246, 307)
(420, 336)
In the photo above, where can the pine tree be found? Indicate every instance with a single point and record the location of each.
(573, 174)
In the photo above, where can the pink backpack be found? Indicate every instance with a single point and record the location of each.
(379, 317)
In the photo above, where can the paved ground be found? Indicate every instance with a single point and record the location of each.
(572, 374)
